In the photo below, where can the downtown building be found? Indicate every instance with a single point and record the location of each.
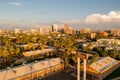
(53, 28)
(67, 29)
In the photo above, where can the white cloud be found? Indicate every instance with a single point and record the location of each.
(98, 18)
(15, 3)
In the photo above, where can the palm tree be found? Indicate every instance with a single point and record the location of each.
(17, 51)
(69, 47)
(66, 45)
(42, 40)
(5, 55)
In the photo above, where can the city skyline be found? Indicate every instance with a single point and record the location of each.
(78, 14)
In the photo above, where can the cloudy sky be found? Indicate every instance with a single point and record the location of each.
(94, 14)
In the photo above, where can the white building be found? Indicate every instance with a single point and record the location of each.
(55, 27)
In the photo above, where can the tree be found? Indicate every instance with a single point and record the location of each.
(52, 41)
(91, 59)
(86, 49)
(104, 53)
(12, 51)
(96, 56)
(113, 53)
(42, 40)
(66, 44)
(118, 57)
(17, 51)
(6, 55)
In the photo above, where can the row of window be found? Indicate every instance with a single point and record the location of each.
(40, 74)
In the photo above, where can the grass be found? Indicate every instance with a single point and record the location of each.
(114, 74)
(17, 63)
(40, 58)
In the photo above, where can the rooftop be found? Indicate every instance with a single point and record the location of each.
(11, 73)
(102, 64)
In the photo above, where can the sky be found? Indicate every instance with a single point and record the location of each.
(94, 14)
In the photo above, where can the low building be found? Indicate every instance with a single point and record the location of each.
(33, 71)
(102, 67)
(37, 52)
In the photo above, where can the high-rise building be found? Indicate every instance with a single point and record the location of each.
(53, 28)
(41, 30)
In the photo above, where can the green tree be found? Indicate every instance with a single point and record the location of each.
(113, 53)
(6, 56)
(42, 40)
(104, 53)
(66, 44)
(17, 51)
(118, 57)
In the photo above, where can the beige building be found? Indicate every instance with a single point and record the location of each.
(91, 35)
(67, 29)
(33, 71)
(102, 68)
(41, 30)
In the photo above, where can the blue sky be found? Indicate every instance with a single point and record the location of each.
(54, 11)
